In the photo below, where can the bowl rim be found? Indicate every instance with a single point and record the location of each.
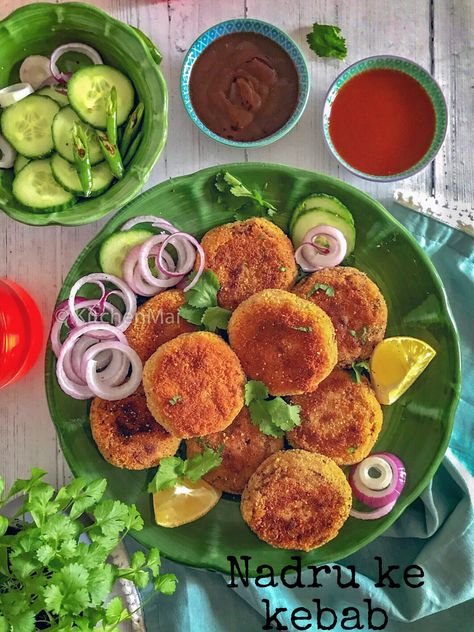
(423, 162)
(141, 173)
(279, 133)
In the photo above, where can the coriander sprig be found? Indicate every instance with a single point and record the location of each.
(273, 416)
(54, 576)
(244, 202)
(326, 41)
(201, 304)
(172, 470)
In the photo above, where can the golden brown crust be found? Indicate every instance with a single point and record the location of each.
(127, 435)
(245, 447)
(194, 384)
(247, 257)
(340, 419)
(285, 341)
(358, 310)
(296, 500)
(156, 322)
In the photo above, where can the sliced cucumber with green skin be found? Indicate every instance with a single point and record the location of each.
(36, 188)
(323, 202)
(27, 125)
(20, 162)
(89, 88)
(55, 93)
(65, 174)
(116, 247)
(62, 136)
(320, 217)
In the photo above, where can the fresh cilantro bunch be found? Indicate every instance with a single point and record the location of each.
(244, 202)
(201, 304)
(173, 469)
(273, 416)
(326, 41)
(52, 576)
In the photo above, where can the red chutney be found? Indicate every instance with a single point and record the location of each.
(382, 122)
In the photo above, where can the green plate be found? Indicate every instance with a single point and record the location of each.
(417, 428)
(38, 29)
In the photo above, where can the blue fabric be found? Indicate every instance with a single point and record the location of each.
(436, 531)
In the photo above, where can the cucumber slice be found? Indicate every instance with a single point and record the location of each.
(62, 136)
(35, 187)
(20, 162)
(323, 202)
(116, 247)
(319, 217)
(52, 92)
(89, 88)
(27, 125)
(66, 175)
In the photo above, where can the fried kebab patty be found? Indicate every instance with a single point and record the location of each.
(340, 419)
(245, 447)
(247, 257)
(355, 305)
(296, 500)
(283, 340)
(127, 434)
(156, 322)
(194, 384)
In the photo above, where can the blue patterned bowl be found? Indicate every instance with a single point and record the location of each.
(246, 26)
(416, 72)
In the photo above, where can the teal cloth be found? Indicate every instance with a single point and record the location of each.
(435, 532)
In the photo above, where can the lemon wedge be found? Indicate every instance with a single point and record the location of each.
(395, 364)
(184, 503)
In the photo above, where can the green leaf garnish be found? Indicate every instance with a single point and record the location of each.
(358, 369)
(174, 400)
(201, 304)
(173, 469)
(352, 449)
(244, 202)
(306, 330)
(282, 269)
(359, 335)
(273, 416)
(327, 289)
(326, 41)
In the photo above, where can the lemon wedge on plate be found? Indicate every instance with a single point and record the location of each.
(184, 503)
(395, 364)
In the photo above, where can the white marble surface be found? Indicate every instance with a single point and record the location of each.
(436, 34)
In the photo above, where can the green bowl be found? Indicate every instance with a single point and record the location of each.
(416, 428)
(39, 29)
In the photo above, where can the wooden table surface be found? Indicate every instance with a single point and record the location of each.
(436, 34)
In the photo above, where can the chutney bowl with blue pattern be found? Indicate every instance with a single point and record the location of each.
(246, 25)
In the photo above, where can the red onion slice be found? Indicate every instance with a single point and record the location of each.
(7, 154)
(143, 264)
(99, 278)
(381, 490)
(132, 275)
(106, 390)
(157, 222)
(185, 251)
(372, 515)
(75, 47)
(311, 257)
(35, 70)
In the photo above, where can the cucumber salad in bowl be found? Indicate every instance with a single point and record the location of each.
(67, 135)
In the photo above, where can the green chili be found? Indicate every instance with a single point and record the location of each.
(112, 116)
(133, 149)
(80, 147)
(132, 127)
(111, 154)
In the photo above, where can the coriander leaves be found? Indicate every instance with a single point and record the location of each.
(172, 469)
(273, 416)
(244, 202)
(57, 575)
(201, 307)
(326, 41)
(327, 289)
(358, 369)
